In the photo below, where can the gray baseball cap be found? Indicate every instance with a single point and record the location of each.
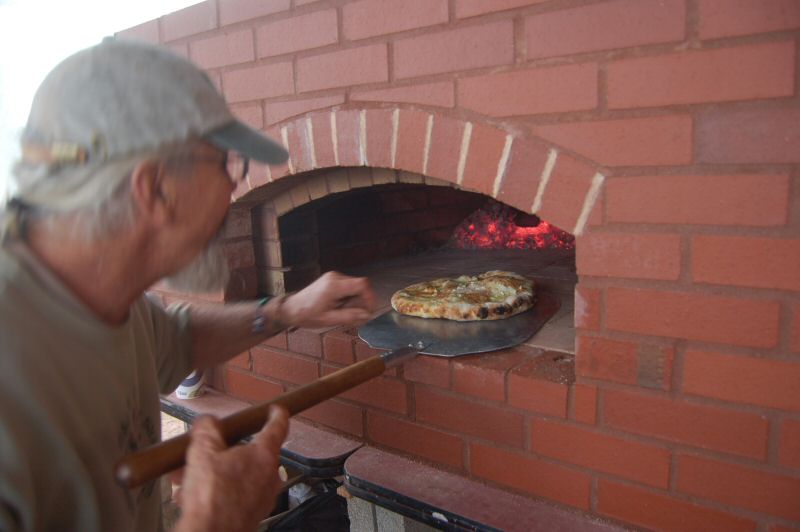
(122, 97)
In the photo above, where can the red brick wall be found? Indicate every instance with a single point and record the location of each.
(680, 116)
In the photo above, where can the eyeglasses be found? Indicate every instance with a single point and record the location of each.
(236, 165)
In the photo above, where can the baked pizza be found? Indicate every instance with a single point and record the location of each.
(493, 295)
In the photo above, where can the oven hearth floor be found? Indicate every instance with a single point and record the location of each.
(553, 271)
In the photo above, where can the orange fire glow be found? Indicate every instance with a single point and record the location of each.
(494, 227)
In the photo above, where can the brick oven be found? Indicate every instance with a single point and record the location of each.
(663, 134)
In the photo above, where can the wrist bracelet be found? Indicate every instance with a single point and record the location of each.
(259, 320)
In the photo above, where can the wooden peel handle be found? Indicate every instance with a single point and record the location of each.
(150, 463)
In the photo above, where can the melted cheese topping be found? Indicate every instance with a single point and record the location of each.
(495, 293)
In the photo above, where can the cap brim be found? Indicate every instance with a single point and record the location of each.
(239, 137)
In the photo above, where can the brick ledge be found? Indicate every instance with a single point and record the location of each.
(440, 498)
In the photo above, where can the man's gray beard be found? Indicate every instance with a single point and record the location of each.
(209, 272)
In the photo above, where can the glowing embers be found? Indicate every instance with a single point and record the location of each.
(498, 226)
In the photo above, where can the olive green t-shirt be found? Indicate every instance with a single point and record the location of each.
(75, 396)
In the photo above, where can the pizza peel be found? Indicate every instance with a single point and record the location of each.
(151, 462)
(448, 338)
(402, 336)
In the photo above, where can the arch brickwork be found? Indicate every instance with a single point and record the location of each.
(522, 171)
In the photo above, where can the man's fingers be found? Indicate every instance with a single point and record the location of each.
(274, 432)
(205, 436)
(358, 291)
(176, 477)
(343, 316)
(363, 301)
(277, 427)
(323, 302)
(177, 496)
(349, 315)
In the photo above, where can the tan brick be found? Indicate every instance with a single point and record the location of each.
(296, 33)
(489, 44)
(368, 19)
(367, 64)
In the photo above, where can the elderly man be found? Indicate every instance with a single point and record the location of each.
(128, 161)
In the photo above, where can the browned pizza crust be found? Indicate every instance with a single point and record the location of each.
(492, 295)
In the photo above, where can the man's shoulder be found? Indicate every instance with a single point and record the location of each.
(9, 278)
(22, 304)
(8, 262)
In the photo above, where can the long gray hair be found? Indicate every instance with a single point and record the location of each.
(95, 196)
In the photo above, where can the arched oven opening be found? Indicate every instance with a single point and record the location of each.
(409, 230)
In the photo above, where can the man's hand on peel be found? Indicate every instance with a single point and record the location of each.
(231, 489)
(333, 299)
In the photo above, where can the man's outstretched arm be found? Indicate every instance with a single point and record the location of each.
(220, 332)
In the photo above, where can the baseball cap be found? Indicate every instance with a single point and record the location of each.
(122, 97)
